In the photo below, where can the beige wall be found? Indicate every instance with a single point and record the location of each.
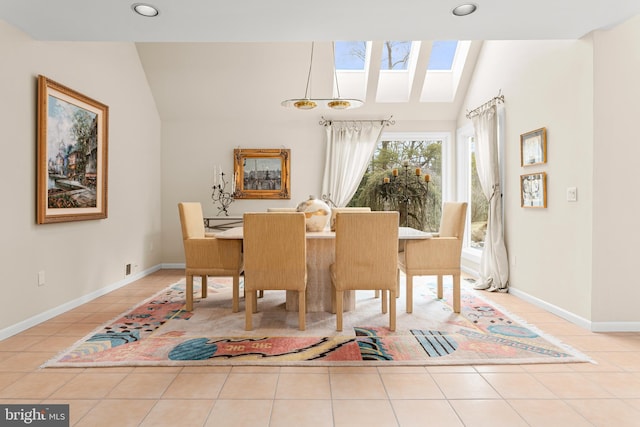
(617, 149)
(237, 105)
(546, 84)
(574, 258)
(78, 258)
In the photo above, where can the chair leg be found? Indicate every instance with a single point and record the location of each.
(398, 283)
(260, 294)
(189, 293)
(254, 295)
(248, 310)
(302, 310)
(339, 297)
(392, 311)
(385, 302)
(333, 298)
(409, 292)
(456, 293)
(235, 305)
(440, 294)
(204, 287)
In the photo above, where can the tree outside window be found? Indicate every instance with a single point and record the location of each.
(425, 210)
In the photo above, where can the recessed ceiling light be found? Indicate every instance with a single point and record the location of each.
(145, 10)
(464, 9)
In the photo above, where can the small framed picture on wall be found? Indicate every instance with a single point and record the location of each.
(533, 147)
(533, 190)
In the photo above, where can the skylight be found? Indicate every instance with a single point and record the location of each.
(442, 54)
(395, 55)
(350, 55)
(444, 71)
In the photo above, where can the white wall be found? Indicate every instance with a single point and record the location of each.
(78, 258)
(546, 84)
(616, 153)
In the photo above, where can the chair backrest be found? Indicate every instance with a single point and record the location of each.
(191, 219)
(366, 250)
(334, 212)
(281, 210)
(275, 250)
(453, 220)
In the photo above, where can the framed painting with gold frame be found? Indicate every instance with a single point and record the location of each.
(533, 190)
(533, 147)
(261, 173)
(71, 155)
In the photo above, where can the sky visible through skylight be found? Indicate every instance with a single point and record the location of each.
(442, 53)
(350, 55)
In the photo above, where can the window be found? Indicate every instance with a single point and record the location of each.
(446, 65)
(469, 190)
(395, 55)
(397, 71)
(478, 203)
(352, 59)
(442, 54)
(351, 55)
(423, 151)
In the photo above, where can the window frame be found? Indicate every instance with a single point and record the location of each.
(447, 154)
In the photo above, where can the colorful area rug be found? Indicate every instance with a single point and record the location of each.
(158, 332)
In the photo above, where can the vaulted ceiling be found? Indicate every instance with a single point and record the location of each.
(197, 41)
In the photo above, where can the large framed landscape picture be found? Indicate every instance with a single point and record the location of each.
(72, 155)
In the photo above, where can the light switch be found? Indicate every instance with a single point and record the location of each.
(572, 194)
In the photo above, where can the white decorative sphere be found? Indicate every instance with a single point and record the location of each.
(316, 212)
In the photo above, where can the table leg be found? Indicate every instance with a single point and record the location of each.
(320, 255)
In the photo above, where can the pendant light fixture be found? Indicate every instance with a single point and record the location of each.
(308, 103)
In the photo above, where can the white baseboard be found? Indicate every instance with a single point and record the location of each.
(580, 321)
(615, 326)
(44, 316)
(173, 266)
(567, 315)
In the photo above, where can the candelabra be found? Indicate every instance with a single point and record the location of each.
(405, 187)
(219, 195)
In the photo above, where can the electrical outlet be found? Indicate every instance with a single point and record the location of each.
(127, 269)
(572, 194)
(41, 278)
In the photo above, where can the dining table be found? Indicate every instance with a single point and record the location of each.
(320, 256)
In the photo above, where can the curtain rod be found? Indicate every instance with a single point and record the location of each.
(494, 100)
(385, 122)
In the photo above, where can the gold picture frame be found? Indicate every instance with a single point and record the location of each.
(261, 173)
(533, 147)
(72, 155)
(533, 190)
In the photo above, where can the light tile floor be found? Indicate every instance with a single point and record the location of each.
(582, 394)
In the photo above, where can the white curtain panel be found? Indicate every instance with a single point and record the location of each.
(350, 146)
(494, 263)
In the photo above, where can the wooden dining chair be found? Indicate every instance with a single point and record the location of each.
(438, 256)
(366, 258)
(207, 256)
(275, 258)
(334, 212)
(281, 210)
